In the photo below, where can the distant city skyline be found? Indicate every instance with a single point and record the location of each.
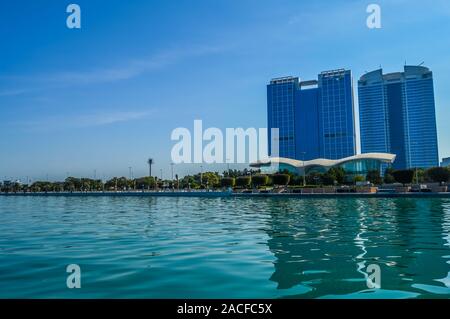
(107, 96)
(316, 120)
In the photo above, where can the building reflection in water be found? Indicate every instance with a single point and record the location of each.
(326, 245)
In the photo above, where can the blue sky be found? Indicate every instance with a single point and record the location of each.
(107, 96)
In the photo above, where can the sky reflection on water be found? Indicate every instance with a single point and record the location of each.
(224, 247)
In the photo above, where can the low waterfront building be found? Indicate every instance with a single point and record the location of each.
(355, 165)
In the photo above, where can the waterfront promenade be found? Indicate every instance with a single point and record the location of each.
(212, 194)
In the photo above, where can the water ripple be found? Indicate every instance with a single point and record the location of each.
(224, 247)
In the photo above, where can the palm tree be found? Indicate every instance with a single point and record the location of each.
(150, 162)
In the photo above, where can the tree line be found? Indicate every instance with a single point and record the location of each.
(235, 179)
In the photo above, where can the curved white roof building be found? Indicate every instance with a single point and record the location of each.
(354, 165)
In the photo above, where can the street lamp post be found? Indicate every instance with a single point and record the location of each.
(201, 175)
(416, 168)
(171, 166)
(304, 172)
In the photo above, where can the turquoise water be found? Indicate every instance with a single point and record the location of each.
(132, 247)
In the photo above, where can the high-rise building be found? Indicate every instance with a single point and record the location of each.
(397, 115)
(445, 162)
(315, 118)
(307, 139)
(336, 115)
(281, 103)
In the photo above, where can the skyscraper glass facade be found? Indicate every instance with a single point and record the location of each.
(315, 118)
(336, 115)
(307, 144)
(281, 113)
(397, 115)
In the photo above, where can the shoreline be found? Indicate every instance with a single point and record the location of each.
(229, 195)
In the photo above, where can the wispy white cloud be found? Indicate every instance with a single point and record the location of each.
(132, 68)
(84, 120)
(14, 92)
(128, 70)
(99, 119)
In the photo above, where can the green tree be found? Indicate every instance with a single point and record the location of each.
(243, 181)
(86, 184)
(190, 182)
(72, 184)
(388, 176)
(146, 182)
(97, 185)
(328, 179)
(438, 174)
(122, 183)
(374, 177)
(358, 178)
(404, 176)
(116, 183)
(281, 179)
(291, 175)
(236, 173)
(16, 187)
(334, 175)
(35, 188)
(313, 178)
(211, 179)
(260, 180)
(57, 187)
(227, 182)
(337, 173)
(40, 186)
(421, 175)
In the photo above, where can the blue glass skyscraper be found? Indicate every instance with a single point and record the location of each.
(315, 118)
(397, 115)
(336, 115)
(307, 141)
(281, 103)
